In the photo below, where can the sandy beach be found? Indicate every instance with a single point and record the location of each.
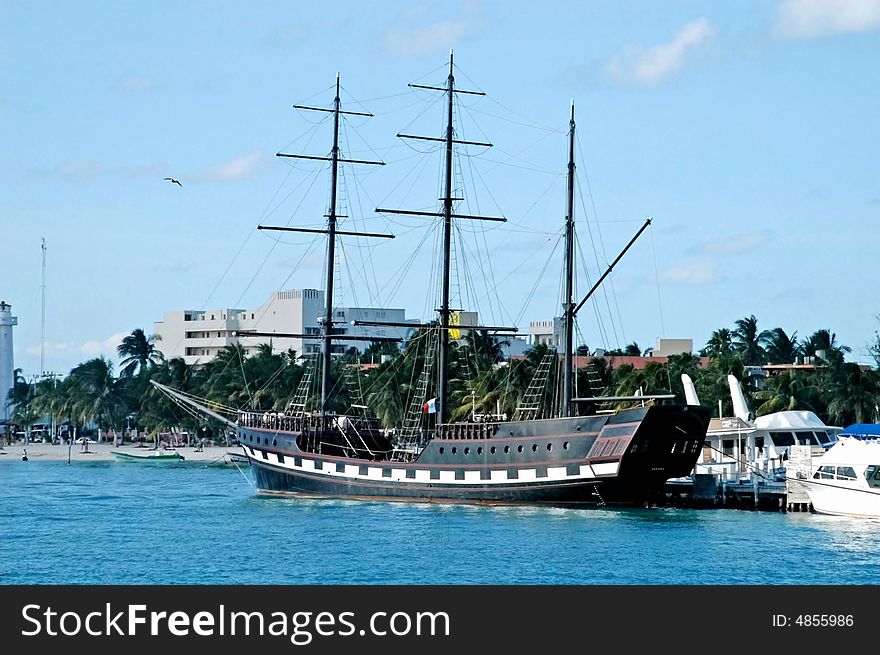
(37, 452)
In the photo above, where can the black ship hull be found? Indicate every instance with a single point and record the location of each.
(622, 459)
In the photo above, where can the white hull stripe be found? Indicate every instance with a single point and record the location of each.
(496, 476)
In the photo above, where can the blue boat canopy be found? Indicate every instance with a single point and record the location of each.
(862, 430)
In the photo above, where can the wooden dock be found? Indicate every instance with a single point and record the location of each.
(708, 491)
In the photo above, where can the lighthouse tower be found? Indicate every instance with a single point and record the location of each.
(7, 366)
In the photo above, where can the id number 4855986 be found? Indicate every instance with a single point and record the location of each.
(814, 621)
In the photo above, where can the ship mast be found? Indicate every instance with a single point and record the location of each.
(447, 214)
(326, 348)
(443, 346)
(568, 302)
(569, 309)
(332, 233)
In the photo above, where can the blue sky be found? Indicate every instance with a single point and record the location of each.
(747, 130)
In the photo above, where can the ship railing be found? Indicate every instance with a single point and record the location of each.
(270, 421)
(287, 423)
(467, 430)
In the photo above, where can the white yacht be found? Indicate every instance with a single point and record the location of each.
(739, 445)
(847, 480)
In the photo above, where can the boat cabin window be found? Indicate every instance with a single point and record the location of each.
(782, 438)
(872, 475)
(759, 442)
(727, 447)
(823, 437)
(806, 439)
(846, 473)
(824, 473)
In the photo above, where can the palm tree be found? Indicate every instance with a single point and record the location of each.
(138, 353)
(632, 350)
(483, 350)
(155, 411)
(95, 394)
(20, 400)
(780, 348)
(719, 344)
(825, 342)
(20, 393)
(787, 391)
(748, 341)
(853, 394)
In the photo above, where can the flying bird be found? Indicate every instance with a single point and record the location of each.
(173, 181)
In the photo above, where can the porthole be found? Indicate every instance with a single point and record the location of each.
(506, 449)
(565, 445)
(454, 450)
(519, 449)
(480, 450)
(549, 447)
(467, 451)
(534, 447)
(492, 450)
(442, 450)
(578, 428)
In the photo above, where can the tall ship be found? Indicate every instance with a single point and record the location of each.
(566, 455)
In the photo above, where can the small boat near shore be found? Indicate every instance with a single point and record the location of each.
(151, 455)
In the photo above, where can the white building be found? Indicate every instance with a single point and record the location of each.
(545, 332)
(198, 336)
(7, 365)
(668, 347)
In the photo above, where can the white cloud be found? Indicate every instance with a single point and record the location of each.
(695, 272)
(235, 170)
(411, 36)
(652, 65)
(805, 19)
(107, 347)
(428, 40)
(144, 170)
(92, 348)
(137, 84)
(53, 349)
(735, 244)
(80, 169)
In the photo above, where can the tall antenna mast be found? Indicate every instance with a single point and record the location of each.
(332, 233)
(447, 215)
(568, 302)
(43, 314)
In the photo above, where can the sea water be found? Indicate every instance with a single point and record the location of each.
(130, 523)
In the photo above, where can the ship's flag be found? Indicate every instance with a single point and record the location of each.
(430, 407)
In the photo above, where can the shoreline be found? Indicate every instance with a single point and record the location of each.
(103, 452)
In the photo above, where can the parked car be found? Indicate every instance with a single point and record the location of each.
(85, 440)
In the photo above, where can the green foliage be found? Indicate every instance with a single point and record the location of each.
(747, 341)
(138, 353)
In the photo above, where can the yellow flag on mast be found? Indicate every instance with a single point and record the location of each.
(454, 319)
